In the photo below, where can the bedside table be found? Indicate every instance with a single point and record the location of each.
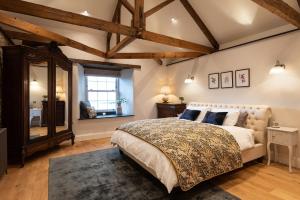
(169, 109)
(283, 136)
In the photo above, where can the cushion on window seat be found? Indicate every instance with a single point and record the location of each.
(84, 105)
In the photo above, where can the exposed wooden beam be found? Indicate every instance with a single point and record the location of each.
(72, 18)
(281, 9)
(6, 36)
(83, 62)
(114, 19)
(158, 7)
(138, 17)
(45, 12)
(119, 22)
(127, 5)
(152, 55)
(200, 23)
(120, 46)
(40, 31)
(26, 37)
(158, 61)
(163, 39)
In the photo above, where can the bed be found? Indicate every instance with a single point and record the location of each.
(251, 141)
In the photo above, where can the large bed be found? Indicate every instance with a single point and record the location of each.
(251, 141)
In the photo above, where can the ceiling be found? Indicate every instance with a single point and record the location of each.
(228, 20)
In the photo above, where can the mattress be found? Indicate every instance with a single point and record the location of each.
(154, 160)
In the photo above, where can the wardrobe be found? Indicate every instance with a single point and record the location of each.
(37, 99)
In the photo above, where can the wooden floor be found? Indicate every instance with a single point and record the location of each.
(256, 181)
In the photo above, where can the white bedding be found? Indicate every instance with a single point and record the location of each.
(154, 159)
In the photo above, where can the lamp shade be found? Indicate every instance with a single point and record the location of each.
(165, 90)
(59, 89)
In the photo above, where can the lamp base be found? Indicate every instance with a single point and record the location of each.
(165, 99)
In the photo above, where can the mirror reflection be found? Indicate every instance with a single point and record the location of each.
(61, 99)
(38, 94)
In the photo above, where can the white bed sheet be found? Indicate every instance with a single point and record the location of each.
(154, 159)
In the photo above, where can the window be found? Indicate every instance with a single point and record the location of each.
(102, 92)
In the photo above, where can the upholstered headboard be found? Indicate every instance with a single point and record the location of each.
(258, 116)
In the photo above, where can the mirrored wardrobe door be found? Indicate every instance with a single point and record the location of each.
(62, 99)
(38, 100)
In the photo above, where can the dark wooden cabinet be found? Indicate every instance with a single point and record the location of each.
(60, 113)
(31, 75)
(169, 109)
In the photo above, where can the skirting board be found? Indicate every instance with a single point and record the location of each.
(283, 159)
(91, 136)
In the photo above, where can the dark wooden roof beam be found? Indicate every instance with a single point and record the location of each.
(42, 32)
(281, 9)
(200, 23)
(158, 7)
(156, 55)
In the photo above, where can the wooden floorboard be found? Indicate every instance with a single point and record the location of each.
(255, 181)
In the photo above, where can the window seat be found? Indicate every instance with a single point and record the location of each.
(108, 116)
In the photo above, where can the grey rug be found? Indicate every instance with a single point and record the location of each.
(107, 174)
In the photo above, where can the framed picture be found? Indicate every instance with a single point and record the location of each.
(227, 79)
(242, 78)
(213, 81)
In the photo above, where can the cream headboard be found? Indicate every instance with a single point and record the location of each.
(258, 116)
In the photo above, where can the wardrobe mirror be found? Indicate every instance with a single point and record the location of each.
(38, 100)
(62, 99)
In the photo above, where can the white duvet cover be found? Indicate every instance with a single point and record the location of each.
(154, 159)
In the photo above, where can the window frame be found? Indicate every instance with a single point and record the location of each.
(100, 112)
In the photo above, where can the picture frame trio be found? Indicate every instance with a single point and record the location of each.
(225, 79)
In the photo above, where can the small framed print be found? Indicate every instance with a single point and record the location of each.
(213, 81)
(227, 79)
(242, 78)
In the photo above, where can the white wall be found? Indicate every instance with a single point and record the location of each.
(126, 91)
(280, 92)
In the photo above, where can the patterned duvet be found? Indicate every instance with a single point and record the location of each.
(197, 151)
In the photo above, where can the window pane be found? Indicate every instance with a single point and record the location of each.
(99, 78)
(92, 78)
(94, 104)
(111, 96)
(102, 105)
(111, 105)
(92, 85)
(111, 85)
(110, 79)
(92, 96)
(102, 85)
(97, 95)
(102, 96)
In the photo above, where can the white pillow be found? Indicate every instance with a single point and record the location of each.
(202, 114)
(231, 117)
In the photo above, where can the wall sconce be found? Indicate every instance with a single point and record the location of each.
(189, 79)
(278, 68)
(165, 90)
(34, 85)
(59, 92)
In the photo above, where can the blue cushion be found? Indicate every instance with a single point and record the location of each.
(216, 118)
(190, 114)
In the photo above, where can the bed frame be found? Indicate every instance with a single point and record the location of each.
(258, 120)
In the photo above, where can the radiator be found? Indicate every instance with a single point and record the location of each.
(3, 151)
